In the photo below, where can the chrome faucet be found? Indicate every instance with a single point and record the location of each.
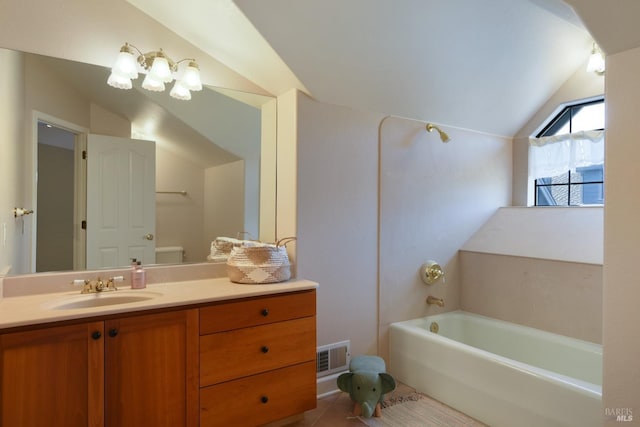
(434, 300)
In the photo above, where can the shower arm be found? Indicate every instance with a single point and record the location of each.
(443, 135)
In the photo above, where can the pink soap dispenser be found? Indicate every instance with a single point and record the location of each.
(134, 263)
(138, 277)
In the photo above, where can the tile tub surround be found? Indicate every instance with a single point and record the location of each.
(32, 309)
(556, 296)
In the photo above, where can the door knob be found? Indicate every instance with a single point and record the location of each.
(148, 236)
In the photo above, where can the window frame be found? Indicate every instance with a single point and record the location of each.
(564, 116)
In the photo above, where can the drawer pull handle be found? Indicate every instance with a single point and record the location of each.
(265, 312)
(113, 332)
(96, 335)
(264, 399)
(265, 349)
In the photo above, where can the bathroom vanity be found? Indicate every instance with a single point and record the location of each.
(198, 353)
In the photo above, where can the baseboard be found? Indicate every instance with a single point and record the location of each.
(328, 385)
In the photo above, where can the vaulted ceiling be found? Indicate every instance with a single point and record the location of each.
(484, 65)
(614, 25)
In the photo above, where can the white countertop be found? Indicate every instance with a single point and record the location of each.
(38, 308)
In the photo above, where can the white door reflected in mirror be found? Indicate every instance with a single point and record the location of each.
(120, 201)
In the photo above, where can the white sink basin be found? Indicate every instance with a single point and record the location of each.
(100, 299)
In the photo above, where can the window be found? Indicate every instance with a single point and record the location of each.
(582, 183)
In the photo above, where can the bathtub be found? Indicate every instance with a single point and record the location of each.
(499, 373)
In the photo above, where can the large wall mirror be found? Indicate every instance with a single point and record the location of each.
(209, 171)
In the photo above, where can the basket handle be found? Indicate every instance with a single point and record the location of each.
(285, 240)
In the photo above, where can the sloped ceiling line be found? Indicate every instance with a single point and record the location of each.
(486, 66)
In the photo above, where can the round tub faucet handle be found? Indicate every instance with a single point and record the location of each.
(431, 272)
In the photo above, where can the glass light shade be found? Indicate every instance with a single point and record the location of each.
(126, 65)
(160, 70)
(152, 84)
(191, 77)
(596, 62)
(180, 92)
(119, 81)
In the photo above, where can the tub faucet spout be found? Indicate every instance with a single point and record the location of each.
(434, 300)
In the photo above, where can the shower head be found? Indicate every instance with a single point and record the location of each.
(443, 135)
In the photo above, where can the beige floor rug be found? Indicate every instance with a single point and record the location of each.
(417, 410)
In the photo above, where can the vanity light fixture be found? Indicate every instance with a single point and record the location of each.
(160, 70)
(596, 61)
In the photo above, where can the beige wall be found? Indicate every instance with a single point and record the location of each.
(180, 219)
(213, 206)
(224, 202)
(337, 217)
(622, 233)
(11, 137)
(433, 197)
(268, 161)
(104, 122)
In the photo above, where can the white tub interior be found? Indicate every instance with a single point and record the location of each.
(498, 372)
(556, 353)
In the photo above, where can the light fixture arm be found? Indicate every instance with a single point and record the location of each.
(146, 59)
(184, 60)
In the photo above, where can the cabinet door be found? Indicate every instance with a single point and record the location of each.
(53, 377)
(151, 372)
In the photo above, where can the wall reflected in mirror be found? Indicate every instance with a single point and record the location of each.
(209, 179)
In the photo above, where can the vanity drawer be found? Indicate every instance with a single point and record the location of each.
(234, 354)
(260, 399)
(259, 311)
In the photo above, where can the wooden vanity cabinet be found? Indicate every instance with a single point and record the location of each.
(130, 371)
(52, 377)
(248, 362)
(151, 370)
(257, 359)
